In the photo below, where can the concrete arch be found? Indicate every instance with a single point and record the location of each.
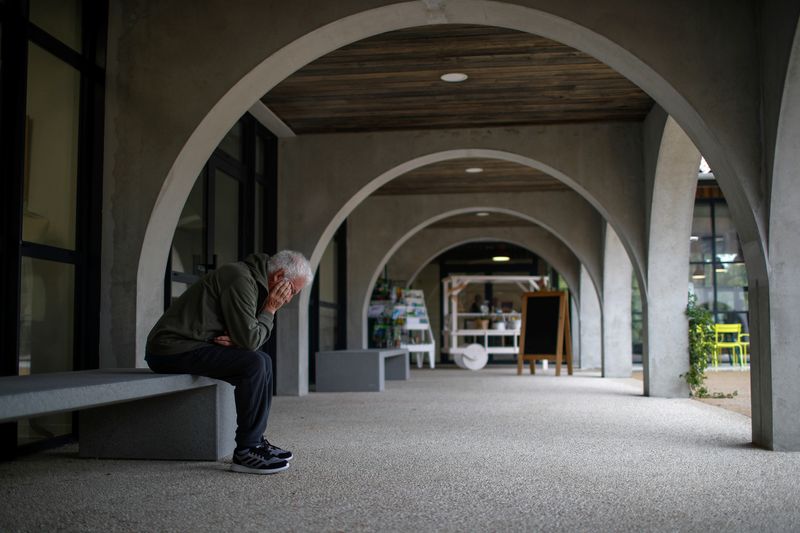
(731, 154)
(364, 270)
(586, 202)
(774, 379)
(675, 164)
(565, 270)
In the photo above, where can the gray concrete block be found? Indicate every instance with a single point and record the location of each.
(360, 370)
(197, 424)
(131, 413)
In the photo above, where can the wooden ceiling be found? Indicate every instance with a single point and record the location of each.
(391, 82)
(450, 177)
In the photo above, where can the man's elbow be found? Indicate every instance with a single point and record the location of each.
(251, 345)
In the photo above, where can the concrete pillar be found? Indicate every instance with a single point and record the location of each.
(675, 180)
(590, 324)
(617, 272)
(291, 373)
(775, 321)
(575, 324)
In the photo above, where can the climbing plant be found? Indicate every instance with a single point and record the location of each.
(701, 344)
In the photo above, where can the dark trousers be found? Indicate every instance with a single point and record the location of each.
(250, 372)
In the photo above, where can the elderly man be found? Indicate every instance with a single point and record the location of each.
(216, 329)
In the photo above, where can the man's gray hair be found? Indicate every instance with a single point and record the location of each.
(294, 265)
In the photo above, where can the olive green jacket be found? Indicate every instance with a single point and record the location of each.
(224, 302)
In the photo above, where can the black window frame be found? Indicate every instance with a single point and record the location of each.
(18, 34)
(716, 312)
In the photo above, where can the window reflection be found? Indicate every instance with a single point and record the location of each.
(46, 335)
(59, 18)
(51, 150)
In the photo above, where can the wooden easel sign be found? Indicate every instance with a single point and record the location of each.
(545, 330)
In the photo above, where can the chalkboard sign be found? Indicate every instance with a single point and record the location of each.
(545, 331)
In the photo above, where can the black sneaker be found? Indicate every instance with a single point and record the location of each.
(280, 453)
(258, 460)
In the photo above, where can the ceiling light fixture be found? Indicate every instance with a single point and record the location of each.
(694, 238)
(501, 258)
(453, 77)
(474, 170)
(699, 272)
(481, 214)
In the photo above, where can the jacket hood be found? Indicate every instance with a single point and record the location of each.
(257, 263)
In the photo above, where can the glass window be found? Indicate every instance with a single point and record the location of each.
(328, 274)
(258, 234)
(178, 288)
(328, 317)
(232, 142)
(261, 156)
(59, 18)
(187, 245)
(46, 313)
(727, 240)
(226, 218)
(701, 283)
(700, 242)
(51, 151)
(637, 321)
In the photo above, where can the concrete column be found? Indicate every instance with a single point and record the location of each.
(675, 181)
(292, 358)
(617, 272)
(774, 319)
(575, 331)
(590, 324)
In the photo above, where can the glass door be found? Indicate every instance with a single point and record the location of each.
(208, 232)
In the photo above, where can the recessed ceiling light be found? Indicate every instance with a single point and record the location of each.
(694, 238)
(474, 170)
(481, 214)
(453, 77)
(501, 258)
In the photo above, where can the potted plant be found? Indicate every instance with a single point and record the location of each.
(498, 322)
(483, 321)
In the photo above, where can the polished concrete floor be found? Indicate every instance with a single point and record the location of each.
(449, 450)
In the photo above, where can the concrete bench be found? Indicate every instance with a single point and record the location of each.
(131, 413)
(360, 370)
